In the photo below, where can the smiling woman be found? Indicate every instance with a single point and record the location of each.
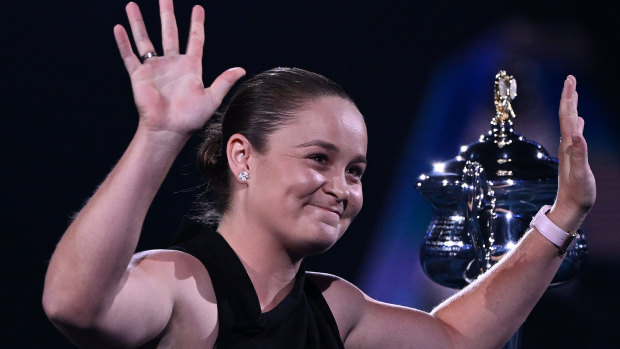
(260, 106)
(306, 188)
(285, 164)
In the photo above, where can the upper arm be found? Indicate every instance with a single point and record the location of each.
(367, 323)
(142, 306)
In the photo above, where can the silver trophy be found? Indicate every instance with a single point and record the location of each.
(484, 199)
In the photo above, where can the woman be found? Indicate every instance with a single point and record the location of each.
(287, 177)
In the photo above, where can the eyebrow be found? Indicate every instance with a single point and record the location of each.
(330, 147)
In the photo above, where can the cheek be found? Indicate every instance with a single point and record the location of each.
(356, 201)
(304, 183)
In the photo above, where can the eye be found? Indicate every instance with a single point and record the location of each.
(320, 158)
(356, 171)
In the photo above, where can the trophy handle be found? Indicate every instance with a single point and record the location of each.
(479, 201)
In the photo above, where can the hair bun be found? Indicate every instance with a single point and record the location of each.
(210, 157)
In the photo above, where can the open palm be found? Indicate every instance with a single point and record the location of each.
(576, 185)
(168, 90)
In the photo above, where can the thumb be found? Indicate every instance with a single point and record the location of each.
(224, 82)
(578, 154)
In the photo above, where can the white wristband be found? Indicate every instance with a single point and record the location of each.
(563, 240)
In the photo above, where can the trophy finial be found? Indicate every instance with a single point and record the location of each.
(505, 91)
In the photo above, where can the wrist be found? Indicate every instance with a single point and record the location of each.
(565, 218)
(561, 238)
(161, 138)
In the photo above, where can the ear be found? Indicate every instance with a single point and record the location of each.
(238, 151)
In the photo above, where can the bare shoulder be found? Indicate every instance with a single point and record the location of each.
(181, 272)
(367, 323)
(172, 292)
(159, 258)
(345, 300)
(332, 285)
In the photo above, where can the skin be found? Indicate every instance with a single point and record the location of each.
(100, 294)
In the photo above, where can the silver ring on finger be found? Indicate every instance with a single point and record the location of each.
(148, 55)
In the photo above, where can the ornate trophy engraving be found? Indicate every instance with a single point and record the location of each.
(484, 199)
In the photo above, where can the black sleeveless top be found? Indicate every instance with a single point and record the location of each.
(302, 319)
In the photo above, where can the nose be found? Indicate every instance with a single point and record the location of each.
(337, 186)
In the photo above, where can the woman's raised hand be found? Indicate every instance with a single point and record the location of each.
(168, 90)
(576, 187)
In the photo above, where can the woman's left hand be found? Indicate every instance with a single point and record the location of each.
(169, 90)
(576, 184)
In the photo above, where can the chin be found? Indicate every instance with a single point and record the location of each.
(316, 247)
(321, 239)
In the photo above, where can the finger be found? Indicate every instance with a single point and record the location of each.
(578, 155)
(223, 83)
(169, 31)
(580, 124)
(138, 30)
(196, 40)
(568, 108)
(124, 47)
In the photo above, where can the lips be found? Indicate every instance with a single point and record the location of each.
(335, 209)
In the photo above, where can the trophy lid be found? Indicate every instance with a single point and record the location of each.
(503, 153)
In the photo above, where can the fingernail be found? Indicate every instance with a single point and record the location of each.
(570, 88)
(576, 140)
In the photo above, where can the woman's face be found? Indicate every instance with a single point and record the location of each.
(306, 188)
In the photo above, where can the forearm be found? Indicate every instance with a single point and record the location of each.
(488, 312)
(90, 260)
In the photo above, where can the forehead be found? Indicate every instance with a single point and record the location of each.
(332, 119)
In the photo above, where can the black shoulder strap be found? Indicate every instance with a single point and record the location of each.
(328, 327)
(237, 302)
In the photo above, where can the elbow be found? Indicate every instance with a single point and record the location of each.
(64, 312)
(453, 338)
(459, 339)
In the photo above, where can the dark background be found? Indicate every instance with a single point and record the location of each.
(68, 115)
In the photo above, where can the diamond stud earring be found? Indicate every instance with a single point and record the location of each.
(243, 176)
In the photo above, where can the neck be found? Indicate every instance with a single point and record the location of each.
(270, 267)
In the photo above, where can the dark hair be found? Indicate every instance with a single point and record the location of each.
(261, 105)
